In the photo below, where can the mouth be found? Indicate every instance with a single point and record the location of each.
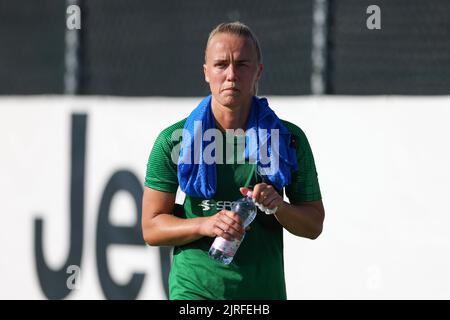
(231, 89)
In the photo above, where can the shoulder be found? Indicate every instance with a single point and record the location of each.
(296, 132)
(298, 140)
(169, 136)
(293, 128)
(166, 134)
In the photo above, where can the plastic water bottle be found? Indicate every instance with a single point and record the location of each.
(223, 250)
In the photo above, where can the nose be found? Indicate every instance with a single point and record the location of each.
(231, 73)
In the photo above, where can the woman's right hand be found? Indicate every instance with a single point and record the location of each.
(226, 224)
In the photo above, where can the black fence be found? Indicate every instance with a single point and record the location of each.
(156, 48)
(409, 55)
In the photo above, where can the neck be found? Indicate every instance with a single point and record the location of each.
(230, 117)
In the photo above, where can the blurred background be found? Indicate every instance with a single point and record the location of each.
(80, 108)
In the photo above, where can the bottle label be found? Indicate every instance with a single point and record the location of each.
(229, 248)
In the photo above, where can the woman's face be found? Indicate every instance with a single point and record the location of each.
(231, 69)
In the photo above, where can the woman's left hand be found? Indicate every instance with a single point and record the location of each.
(265, 194)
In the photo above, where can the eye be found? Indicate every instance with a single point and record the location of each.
(220, 65)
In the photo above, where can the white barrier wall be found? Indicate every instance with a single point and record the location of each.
(382, 164)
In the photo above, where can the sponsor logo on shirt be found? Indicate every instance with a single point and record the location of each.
(206, 205)
(219, 205)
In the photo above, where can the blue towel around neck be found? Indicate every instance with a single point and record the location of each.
(198, 178)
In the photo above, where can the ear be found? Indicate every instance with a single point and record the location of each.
(205, 73)
(260, 70)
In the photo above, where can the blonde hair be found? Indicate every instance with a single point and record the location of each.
(238, 29)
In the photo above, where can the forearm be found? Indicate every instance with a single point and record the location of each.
(300, 220)
(169, 230)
